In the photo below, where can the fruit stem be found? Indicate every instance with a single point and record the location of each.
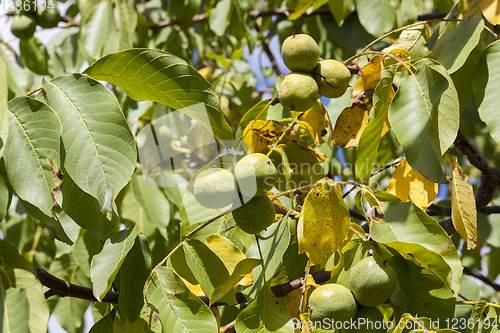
(261, 259)
(304, 285)
(271, 102)
(394, 31)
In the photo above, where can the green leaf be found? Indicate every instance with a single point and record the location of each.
(31, 151)
(297, 8)
(95, 30)
(208, 269)
(84, 210)
(376, 16)
(18, 78)
(134, 272)
(424, 294)
(425, 117)
(219, 17)
(104, 325)
(4, 97)
(477, 314)
(146, 206)
(273, 243)
(180, 311)
(241, 269)
(492, 321)
(127, 20)
(162, 77)
(106, 264)
(99, 146)
(370, 138)
(5, 192)
(486, 86)
(17, 272)
(405, 222)
(454, 47)
(15, 310)
(264, 314)
(34, 55)
(341, 9)
(250, 115)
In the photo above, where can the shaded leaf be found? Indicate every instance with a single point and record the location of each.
(105, 265)
(34, 55)
(323, 223)
(15, 310)
(162, 77)
(31, 151)
(4, 97)
(376, 16)
(264, 314)
(146, 206)
(486, 85)
(99, 146)
(134, 272)
(95, 29)
(128, 22)
(179, 310)
(409, 185)
(84, 210)
(463, 204)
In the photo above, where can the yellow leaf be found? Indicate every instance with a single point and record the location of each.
(194, 288)
(463, 204)
(350, 125)
(292, 300)
(324, 222)
(229, 254)
(368, 79)
(206, 72)
(409, 185)
(261, 134)
(491, 10)
(468, 8)
(317, 122)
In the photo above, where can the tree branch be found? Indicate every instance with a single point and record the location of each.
(63, 288)
(475, 273)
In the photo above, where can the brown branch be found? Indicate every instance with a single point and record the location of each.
(63, 288)
(475, 273)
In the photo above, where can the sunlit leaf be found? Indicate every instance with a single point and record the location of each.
(99, 146)
(405, 222)
(341, 9)
(297, 7)
(259, 134)
(316, 120)
(409, 185)
(128, 22)
(323, 223)
(162, 77)
(454, 47)
(219, 17)
(491, 11)
(370, 137)
(15, 311)
(96, 29)
(32, 151)
(463, 204)
(350, 125)
(179, 310)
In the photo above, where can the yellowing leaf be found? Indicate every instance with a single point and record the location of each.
(292, 300)
(323, 223)
(409, 185)
(491, 10)
(194, 288)
(350, 125)
(370, 74)
(317, 122)
(307, 324)
(261, 134)
(463, 204)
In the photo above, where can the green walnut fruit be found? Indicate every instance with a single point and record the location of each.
(367, 320)
(298, 92)
(300, 53)
(215, 188)
(255, 175)
(23, 26)
(333, 302)
(254, 215)
(332, 77)
(47, 18)
(372, 281)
